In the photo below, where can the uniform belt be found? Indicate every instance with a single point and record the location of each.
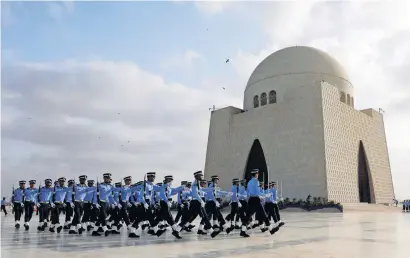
(79, 201)
(44, 202)
(102, 201)
(17, 202)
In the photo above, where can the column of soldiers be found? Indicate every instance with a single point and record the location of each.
(406, 206)
(105, 208)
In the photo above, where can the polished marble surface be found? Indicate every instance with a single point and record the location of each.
(350, 235)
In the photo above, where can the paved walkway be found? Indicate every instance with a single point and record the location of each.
(305, 235)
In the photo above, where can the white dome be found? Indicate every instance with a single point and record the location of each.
(294, 67)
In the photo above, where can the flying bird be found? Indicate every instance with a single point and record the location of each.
(223, 87)
(128, 141)
(118, 113)
(122, 145)
(29, 118)
(227, 61)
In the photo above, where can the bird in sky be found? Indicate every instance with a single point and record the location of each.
(227, 61)
(223, 87)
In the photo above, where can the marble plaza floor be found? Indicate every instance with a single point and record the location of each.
(315, 235)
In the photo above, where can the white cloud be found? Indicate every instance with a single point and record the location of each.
(370, 39)
(185, 60)
(75, 127)
(213, 7)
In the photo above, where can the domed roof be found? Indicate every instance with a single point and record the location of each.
(298, 60)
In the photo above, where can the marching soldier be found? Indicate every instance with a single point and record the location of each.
(60, 192)
(69, 210)
(80, 191)
(46, 200)
(90, 214)
(30, 199)
(197, 206)
(19, 202)
(105, 193)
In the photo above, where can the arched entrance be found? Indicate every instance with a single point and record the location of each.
(364, 175)
(256, 160)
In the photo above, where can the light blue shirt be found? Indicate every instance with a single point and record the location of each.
(253, 188)
(105, 191)
(195, 193)
(18, 195)
(80, 192)
(3, 202)
(235, 192)
(31, 195)
(46, 194)
(69, 194)
(243, 194)
(127, 191)
(60, 193)
(166, 192)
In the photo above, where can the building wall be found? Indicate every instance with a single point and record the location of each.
(291, 135)
(344, 128)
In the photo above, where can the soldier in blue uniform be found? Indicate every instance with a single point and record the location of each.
(60, 192)
(69, 210)
(106, 197)
(197, 206)
(164, 213)
(126, 192)
(235, 205)
(180, 204)
(254, 205)
(275, 208)
(3, 206)
(90, 214)
(46, 200)
(114, 220)
(18, 205)
(30, 199)
(80, 191)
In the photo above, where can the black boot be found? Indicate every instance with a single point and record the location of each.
(95, 233)
(72, 232)
(67, 226)
(215, 233)
(176, 234)
(274, 230)
(107, 233)
(160, 232)
(191, 226)
(244, 234)
(133, 235)
(51, 229)
(81, 230)
(59, 229)
(89, 227)
(26, 227)
(201, 232)
(17, 226)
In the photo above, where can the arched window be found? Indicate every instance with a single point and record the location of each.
(264, 100)
(256, 101)
(272, 97)
(348, 99)
(352, 102)
(342, 97)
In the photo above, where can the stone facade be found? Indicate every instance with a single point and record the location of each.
(310, 141)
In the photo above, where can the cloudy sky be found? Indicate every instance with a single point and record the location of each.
(89, 88)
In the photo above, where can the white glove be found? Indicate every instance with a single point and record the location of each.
(113, 206)
(217, 204)
(97, 206)
(22, 205)
(268, 195)
(38, 205)
(239, 205)
(53, 205)
(146, 206)
(203, 204)
(136, 204)
(119, 206)
(129, 205)
(182, 206)
(230, 194)
(169, 204)
(72, 205)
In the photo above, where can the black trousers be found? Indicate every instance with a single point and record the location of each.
(55, 213)
(18, 210)
(140, 215)
(28, 209)
(87, 209)
(164, 214)
(123, 213)
(3, 208)
(255, 207)
(78, 212)
(115, 215)
(102, 215)
(179, 213)
(69, 211)
(44, 211)
(213, 211)
(236, 211)
(196, 209)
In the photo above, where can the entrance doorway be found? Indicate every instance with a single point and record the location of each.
(364, 176)
(256, 160)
